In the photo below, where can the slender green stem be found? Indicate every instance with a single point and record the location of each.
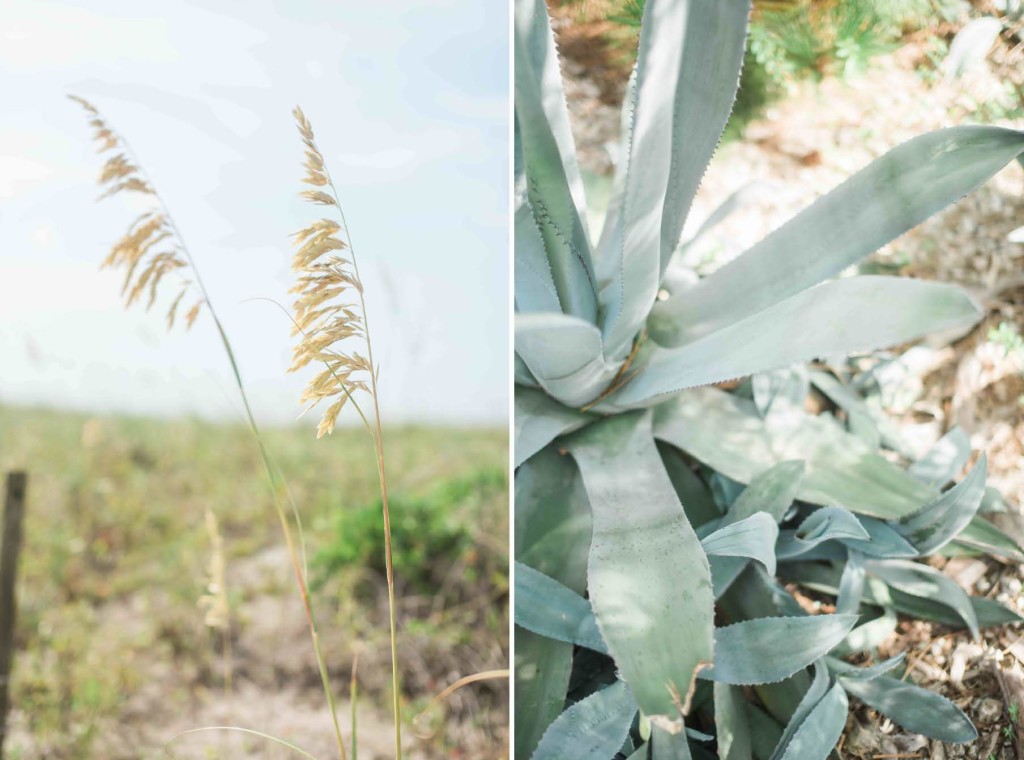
(378, 439)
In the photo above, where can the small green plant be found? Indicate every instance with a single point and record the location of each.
(1008, 337)
(658, 518)
(436, 524)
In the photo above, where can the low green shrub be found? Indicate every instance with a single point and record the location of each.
(433, 532)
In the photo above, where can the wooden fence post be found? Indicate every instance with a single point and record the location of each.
(10, 547)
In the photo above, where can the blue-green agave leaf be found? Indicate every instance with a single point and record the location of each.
(836, 318)
(726, 433)
(825, 524)
(869, 634)
(884, 541)
(731, 723)
(697, 501)
(648, 577)
(688, 65)
(523, 377)
(939, 522)
(564, 354)
(927, 582)
(595, 727)
(893, 194)
(915, 709)
(985, 537)
(820, 730)
(669, 746)
(542, 669)
(944, 460)
(752, 538)
(771, 492)
(552, 533)
(750, 193)
(815, 691)
(847, 670)
(766, 650)
(553, 183)
(539, 419)
(851, 584)
(545, 606)
(765, 732)
(869, 422)
(788, 387)
(552, 519)
(826, 580)
(534, 286)
(608, 254)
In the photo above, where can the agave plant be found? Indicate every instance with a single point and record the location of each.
(656, 513)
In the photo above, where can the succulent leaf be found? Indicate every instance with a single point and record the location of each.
(865, 674)
(751, 538)
(731, 723)
(825, 524)
(553, 183)
(545, 606)
(552, 533)
(648, 578)
(539, 419)
(766, 650)
(815, 691)
(726, 433)
(595, 727)
(669, 746)
(927, 582)
(983, 536)
(820, 730)
(836, 318)
(944, 460)
(851, 584)
(913, 708)
(688, 66)
(892, 195)
(939, 522)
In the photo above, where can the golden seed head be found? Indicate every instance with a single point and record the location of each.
(136, 251)
(323, 318)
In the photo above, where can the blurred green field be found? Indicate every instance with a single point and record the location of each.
(112, 642)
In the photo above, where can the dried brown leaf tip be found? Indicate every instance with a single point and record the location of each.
(328, 305)
(149, 249)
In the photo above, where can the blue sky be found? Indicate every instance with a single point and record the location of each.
(409, 101)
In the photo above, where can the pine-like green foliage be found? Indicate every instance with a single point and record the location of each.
(659, 518)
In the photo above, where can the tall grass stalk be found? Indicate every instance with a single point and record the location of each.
(325, 274)
(123, 173)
